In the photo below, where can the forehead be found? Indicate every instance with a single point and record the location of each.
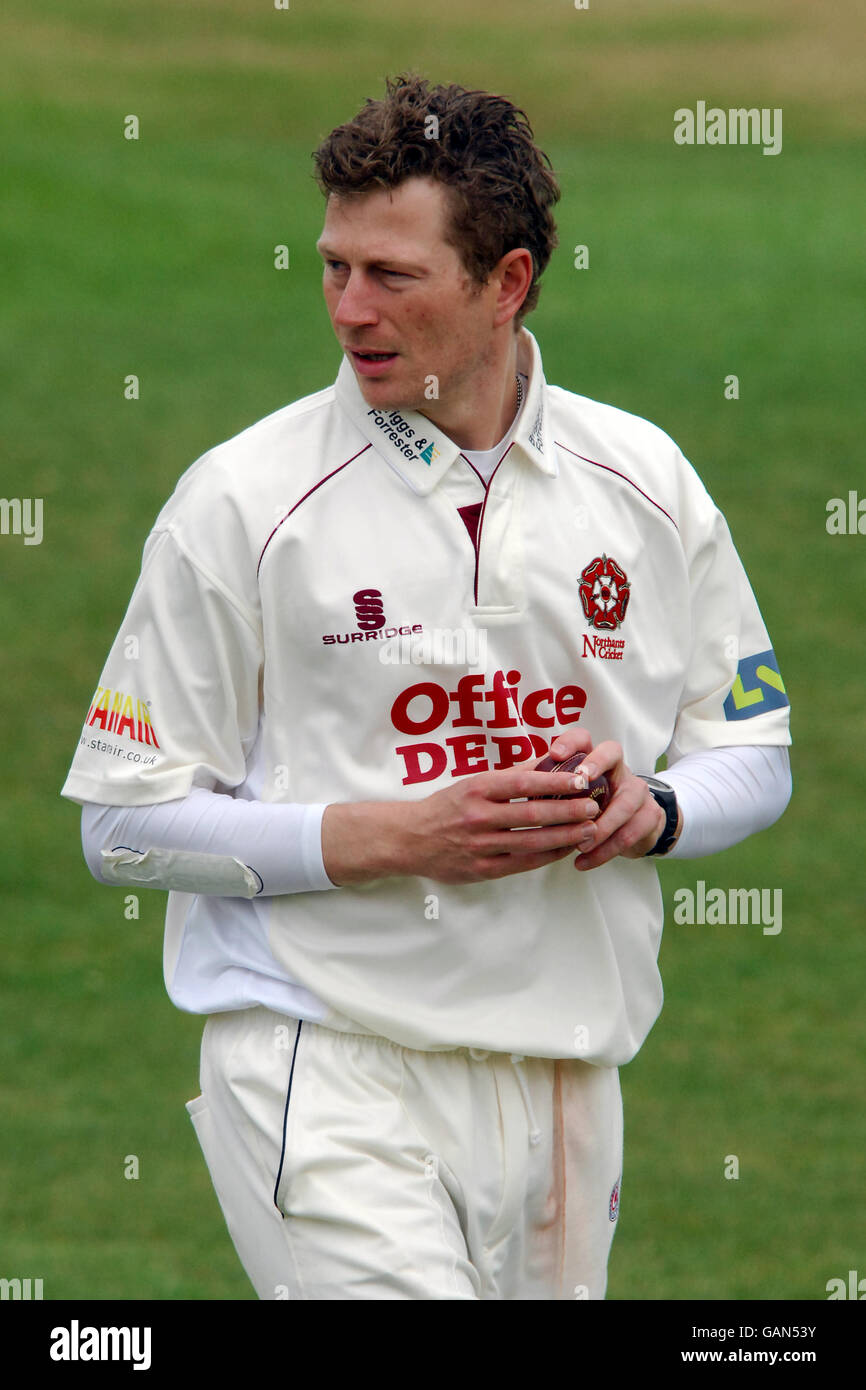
(411, 219)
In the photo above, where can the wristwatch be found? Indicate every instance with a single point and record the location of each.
(665, 797)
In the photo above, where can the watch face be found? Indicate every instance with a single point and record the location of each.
(656, 784)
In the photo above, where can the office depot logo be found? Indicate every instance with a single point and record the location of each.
(429, 708)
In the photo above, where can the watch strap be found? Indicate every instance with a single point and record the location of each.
(665, 797)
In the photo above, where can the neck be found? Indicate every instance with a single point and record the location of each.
(483, 414)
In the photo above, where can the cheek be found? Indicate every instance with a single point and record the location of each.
(439, 330)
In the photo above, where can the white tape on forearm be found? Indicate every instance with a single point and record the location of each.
(181, 871)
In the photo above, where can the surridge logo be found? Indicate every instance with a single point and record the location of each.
(369, 609)
(370, 617)
(118, 713)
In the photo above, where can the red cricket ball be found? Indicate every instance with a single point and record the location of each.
(599, 787)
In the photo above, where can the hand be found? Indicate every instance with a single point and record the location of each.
(467, 833)
(633, 821)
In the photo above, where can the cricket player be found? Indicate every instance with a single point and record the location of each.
(359, 626)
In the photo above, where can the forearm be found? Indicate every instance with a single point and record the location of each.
(196, 839)
(726, 794)
(366, 840)
(210, 842)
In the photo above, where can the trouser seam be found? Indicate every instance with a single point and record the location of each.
(286, 1118)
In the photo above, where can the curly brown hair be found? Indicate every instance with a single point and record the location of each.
(480, 146)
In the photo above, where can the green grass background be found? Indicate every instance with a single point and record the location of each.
(156, 257)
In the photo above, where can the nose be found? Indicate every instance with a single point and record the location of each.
(356, 306)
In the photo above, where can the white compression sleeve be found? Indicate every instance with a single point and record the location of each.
(208, 842)
(726, 794)
(202, 842)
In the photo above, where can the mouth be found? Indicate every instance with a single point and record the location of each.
(371, 363)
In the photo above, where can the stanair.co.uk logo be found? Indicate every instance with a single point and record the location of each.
(118, 713)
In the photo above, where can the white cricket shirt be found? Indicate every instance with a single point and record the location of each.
(282, 583)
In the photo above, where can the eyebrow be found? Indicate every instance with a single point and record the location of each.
(329, 254)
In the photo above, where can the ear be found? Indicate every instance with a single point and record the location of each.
(513, 277)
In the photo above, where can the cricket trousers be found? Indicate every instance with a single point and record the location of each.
(349, 1167)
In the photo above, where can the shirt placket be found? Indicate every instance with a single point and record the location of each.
(499, 561)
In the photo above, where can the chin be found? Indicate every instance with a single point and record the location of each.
(386, 397)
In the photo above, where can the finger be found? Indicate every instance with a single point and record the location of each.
(517, 782)
(644, 826)
(625, 803)
(525, 840)
(520, 815)
(628, 801)
(503, 865)
(535, 839)
(572, 741)
(603, 758)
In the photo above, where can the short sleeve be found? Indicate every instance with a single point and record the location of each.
(733, 693)
(177, 704)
